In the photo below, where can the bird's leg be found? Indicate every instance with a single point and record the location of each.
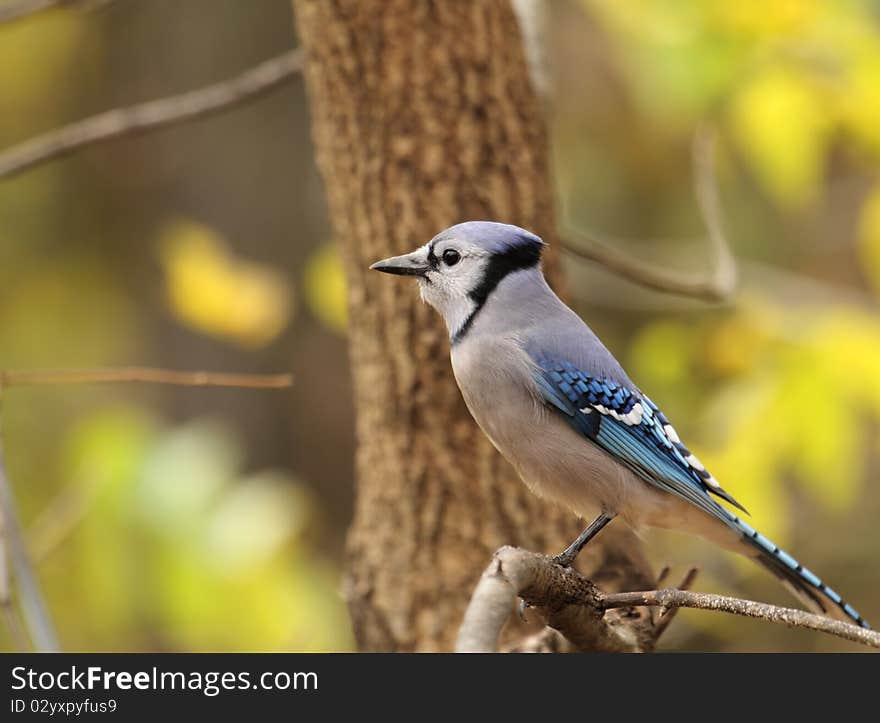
(570, 553)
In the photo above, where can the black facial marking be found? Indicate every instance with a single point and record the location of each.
(522, 256)
(433, 261)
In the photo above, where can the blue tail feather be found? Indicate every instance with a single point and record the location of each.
(780, 563)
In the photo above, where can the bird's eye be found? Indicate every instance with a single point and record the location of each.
(451, 257)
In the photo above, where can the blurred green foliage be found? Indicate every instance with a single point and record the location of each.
(790, 79)
(213, 520)
(181, 549)
(779, 395)
(156, 522)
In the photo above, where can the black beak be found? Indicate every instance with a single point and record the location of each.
(406, 265)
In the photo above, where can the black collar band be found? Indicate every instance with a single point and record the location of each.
(517, 258)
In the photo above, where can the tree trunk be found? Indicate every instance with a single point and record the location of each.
(423, 116)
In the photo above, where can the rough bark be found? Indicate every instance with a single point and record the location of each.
(422, 117)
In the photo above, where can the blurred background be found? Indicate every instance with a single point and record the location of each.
(166, 518)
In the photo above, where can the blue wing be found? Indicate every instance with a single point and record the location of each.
(626, 424)
(630, 427)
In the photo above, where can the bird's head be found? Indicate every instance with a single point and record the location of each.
(460, 267)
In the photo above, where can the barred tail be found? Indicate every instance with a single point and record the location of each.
(804, 584)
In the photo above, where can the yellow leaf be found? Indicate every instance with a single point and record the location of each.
(760, 18)
(783, 127)
(324, 287)
(217, 293)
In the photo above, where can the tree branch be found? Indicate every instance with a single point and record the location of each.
(568, 602)
(11, 614)
(23, 8)
(748, 608)
(152, 114)
(576, 608)
(718, 285)
(667, 616)
(146, 375)
(33, 608)
(19, 9)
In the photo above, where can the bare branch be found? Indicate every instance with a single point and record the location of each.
(10, 612)
(19, 9)
(152, 114)
(747, 608)
(662, 575)
(57, 521)
(667, 616)
(576, 608)
(567, 600)
(146, 375)
(718, 285)
(23, 8)
(30, 598)
(65, 513)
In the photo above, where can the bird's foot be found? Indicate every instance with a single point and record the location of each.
(570, 553)
(564, 559)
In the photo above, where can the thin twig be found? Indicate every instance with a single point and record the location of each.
(152, 114)
(23, 8)
(718, 285)
(668, 615)
(56, 522)
(146, 375)
(11, 613)
(20, 9)
(574, 606)
(30, 598)
(662, 575)
(747, 608)
(36, 617)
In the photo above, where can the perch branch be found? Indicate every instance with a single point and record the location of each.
(146, 375)
(568, 601)
(576, 608)
(748, 608)
(718, 285)
(152, 114)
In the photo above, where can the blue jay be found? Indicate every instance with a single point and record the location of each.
(556, 403)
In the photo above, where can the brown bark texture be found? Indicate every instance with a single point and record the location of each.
(423, 116)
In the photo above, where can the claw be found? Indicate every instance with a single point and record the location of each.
(563, 560)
